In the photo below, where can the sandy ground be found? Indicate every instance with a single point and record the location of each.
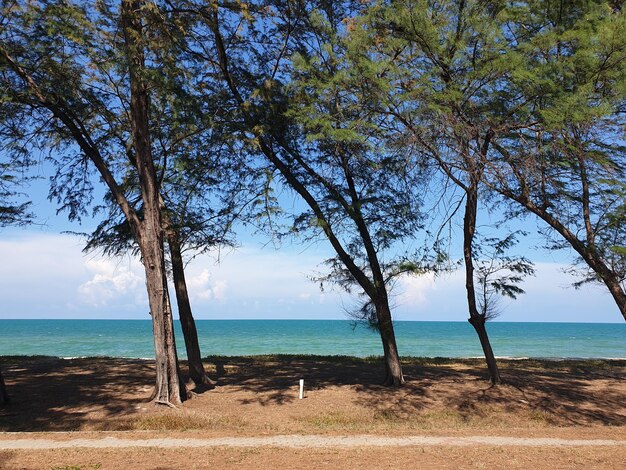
(442, 414)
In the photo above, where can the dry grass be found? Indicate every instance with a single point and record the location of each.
(172, 420)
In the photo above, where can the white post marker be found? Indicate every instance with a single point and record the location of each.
(301, 389)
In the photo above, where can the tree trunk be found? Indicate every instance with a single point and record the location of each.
(374, 288)
(4, 396)
(478, 322)
(475, 317)
(393, 367)
(169, 389)
(187, 322)
(609, 277)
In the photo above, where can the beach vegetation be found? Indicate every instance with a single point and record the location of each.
(14, 203)
(176, 421)
(461, 82)
(93, 466)
(442, 88)
(204, 186)
(336, 420)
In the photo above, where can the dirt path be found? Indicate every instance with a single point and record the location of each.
(302, 441)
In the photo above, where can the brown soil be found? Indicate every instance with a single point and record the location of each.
(259, 397)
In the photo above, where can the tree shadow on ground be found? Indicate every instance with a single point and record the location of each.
(556, 392)
(54, 394)
(273, 379)
(570, 392)
(561, 393)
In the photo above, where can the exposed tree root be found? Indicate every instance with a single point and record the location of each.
(164, 403)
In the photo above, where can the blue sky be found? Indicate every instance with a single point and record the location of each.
(44, 274)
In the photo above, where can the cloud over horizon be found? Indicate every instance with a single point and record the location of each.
(112, 280)
(47, 276)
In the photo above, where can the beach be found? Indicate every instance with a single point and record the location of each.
(258, 396)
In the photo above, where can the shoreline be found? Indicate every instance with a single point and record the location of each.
(330, 357)
(344, 320)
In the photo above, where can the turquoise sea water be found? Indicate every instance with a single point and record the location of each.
(132, 338)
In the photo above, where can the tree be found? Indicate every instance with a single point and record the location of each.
(435, 70)
(202, 192)
(498, 274)
(565, 165)
(199, 206)
(114, 237)
(283, 90)
(70, 71)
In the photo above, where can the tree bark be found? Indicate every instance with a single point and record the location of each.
(476, 318)
(393, 367)
(169, 389)
(4, 395)
(478, 322)
(187, 322)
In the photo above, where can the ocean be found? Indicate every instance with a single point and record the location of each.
(133, 339)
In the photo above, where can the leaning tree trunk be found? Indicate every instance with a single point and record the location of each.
(584, 247)
(475, 318)
(169, 389)
(4, 396)
(587, 252)
(615, 288)
(187, 322)
(393, 367)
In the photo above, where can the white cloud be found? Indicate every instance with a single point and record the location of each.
(416, 290)
(256, 283)
(202, 287)
(219, 290)
(199, 285)
(112, 281)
